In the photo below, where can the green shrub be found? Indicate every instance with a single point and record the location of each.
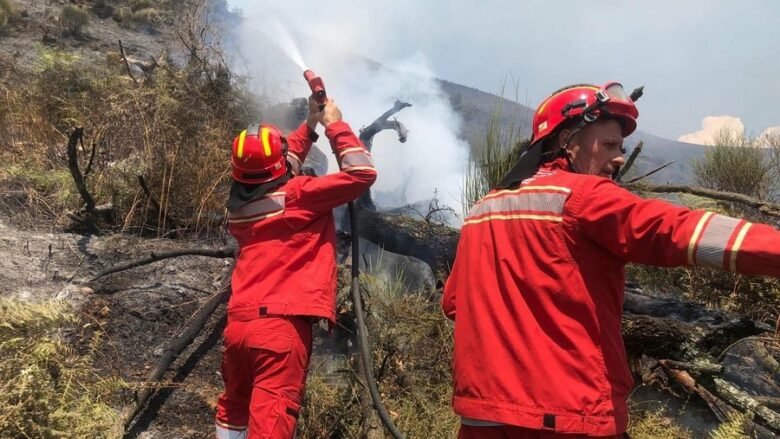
(736, 163)
(494, 157)
(49, 389)
(74, 19)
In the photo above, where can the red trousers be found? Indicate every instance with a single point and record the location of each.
(264, 365)
(510, 432)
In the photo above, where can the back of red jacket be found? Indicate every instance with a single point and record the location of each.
(287, 238)
(536, 293)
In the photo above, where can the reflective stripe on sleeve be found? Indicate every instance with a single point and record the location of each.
(711, 248)
(737, 244)
(355, 158)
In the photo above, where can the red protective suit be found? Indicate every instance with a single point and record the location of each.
(536, 293)
(286, 269)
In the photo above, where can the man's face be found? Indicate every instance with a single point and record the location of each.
(597, 148)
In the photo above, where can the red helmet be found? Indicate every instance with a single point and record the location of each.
(259, 155)
(588, 103)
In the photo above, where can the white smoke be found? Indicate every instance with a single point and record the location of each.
(433, 158)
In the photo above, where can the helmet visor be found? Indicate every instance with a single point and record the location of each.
(615, 91)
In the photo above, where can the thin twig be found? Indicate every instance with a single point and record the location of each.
(634, 180)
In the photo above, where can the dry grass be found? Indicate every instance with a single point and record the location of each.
(50, 390)
(655, 425)
(412, 348)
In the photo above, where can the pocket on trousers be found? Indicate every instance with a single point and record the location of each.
(274, 341)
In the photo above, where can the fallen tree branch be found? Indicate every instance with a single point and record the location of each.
(222, 252)
(764, 207)
(176, 347)
(745, 402)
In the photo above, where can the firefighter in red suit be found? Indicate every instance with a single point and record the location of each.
(285, 272)
(536, 290)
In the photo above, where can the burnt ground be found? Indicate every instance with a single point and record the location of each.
(140, 311)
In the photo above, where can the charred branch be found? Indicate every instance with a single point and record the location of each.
(630, 161)
(174, 349)
(127, 64)
(73, 165)
(223, 252)
(382, 123)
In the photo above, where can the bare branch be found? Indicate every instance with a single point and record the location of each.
(643, 176)
(631, 159)
(381, 123)
(127, 64)
(73, 165)
(222, 252)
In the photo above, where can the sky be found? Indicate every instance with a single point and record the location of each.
(696, 58)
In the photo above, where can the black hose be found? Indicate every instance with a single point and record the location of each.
(365, 355)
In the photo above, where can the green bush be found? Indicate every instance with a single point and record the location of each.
(49, 389)
(74, 19)
(494, 157)
(735, 163)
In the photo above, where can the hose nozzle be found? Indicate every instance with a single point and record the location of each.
(317, 87)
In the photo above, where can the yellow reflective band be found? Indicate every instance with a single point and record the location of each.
(695, 237)
(558, 189)
(241, 138)
(736, 246)
(266, 144)
(514, 217)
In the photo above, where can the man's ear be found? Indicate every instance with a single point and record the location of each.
(563, 137)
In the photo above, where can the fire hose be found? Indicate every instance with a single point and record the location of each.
(365, 355)
(318, 91)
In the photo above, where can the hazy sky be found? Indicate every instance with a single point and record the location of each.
(696, 58)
